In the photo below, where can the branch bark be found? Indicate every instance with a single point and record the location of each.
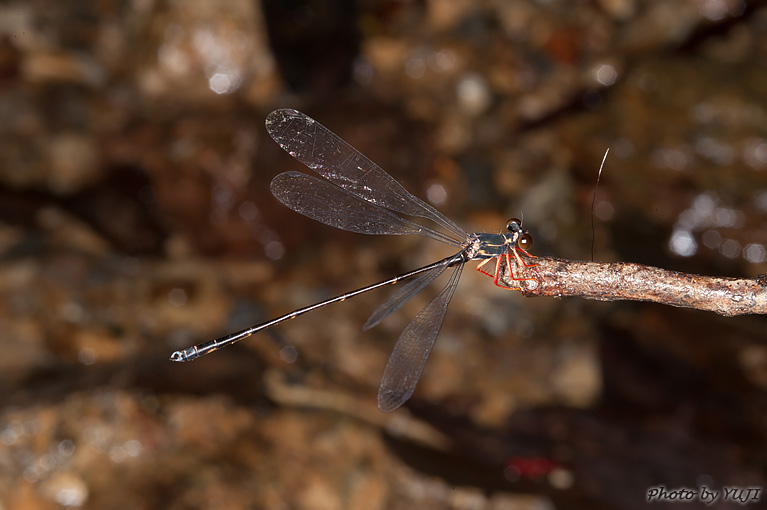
(627, 281)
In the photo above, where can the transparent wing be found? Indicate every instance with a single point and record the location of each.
(320, 149)
(334, 206)
(407, 361)
(402, 296)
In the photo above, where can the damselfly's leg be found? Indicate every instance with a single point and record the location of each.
(497, 273)
(511, 271)
(516, 254)
(481, 265)
(519, 259)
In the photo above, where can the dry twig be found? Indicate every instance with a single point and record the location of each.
(627, 281)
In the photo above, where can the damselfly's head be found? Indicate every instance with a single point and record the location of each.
(524, 239)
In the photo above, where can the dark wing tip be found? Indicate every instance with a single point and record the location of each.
(389, 400)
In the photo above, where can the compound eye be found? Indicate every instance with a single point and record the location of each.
(514, 225)
(525, 242)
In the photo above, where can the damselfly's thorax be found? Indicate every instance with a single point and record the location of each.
(486, 246)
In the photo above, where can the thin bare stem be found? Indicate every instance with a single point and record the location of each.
(594, 203)
(627, 281)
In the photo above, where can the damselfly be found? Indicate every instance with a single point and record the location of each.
(357, 195)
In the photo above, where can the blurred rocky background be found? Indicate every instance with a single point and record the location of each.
(136, 219)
